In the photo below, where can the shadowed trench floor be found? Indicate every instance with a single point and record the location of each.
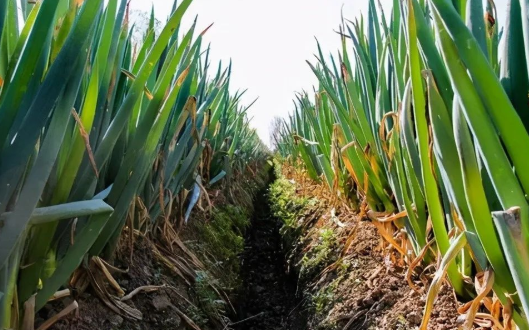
(269, 300)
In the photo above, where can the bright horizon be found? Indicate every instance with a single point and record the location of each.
(269, 43)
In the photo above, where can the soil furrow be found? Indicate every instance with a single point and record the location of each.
(269, 298)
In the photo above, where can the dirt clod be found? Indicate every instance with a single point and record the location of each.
(161, 302)
(115, 320)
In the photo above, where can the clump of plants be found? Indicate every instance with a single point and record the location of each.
(287, 206)
(325, 297)
(92, 122)
(218, 240)
(422, 115)
(221, 240)
(323, 300)
(323, 253)
(197, 315)
(210, 302)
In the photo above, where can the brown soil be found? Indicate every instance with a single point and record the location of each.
(165, 308)
(362, 289)
(366, 289)
(188, 280)
(374, 294)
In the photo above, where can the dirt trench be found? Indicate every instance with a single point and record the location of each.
(269, 299)
(199, 279)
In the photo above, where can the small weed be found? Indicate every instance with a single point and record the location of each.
(326, 296)
(158, 271)
(323, 299)
(343, 267)
(319, 256)
(210, 302)
(221, 241)
(287, 206)
(197, 315)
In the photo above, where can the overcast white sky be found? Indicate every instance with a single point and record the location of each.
(269, 42)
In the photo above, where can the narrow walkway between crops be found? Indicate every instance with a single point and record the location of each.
(269, 299)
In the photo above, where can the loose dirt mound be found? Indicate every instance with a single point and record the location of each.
(160, 309)
(370, 292)
(347, 281)
(182, 279)
(178, 276)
